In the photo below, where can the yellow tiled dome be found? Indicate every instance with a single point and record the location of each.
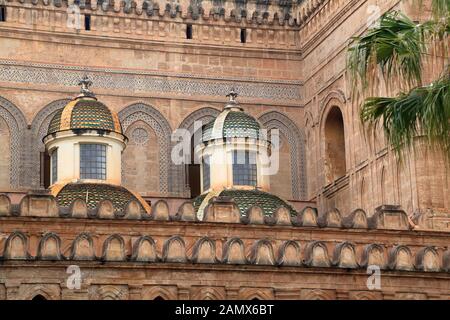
(85, 113)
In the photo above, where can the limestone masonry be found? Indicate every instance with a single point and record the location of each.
(91, 93)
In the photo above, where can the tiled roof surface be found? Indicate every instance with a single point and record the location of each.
(237, 124)
(86, 114)
(94, 193)
(241, 125)
(55, 123)
(207, 130)
(245, 199)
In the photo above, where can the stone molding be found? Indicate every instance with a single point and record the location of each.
(187, 249)
(297, 140)
(17, 127)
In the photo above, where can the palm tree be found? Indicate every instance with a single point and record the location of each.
(395, 54)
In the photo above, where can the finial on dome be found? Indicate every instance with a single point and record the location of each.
(232, 95)
(233, 104)
(85, 83)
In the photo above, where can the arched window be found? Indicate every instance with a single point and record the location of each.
(92, 161)
(334, 145)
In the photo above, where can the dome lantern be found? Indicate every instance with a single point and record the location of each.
(85, 143)
(85, 140)
(234, 155)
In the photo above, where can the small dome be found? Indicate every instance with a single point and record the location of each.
(96, 192)
(232, 124)
(245, 199)
(85, 113)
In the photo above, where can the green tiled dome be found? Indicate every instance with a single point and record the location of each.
(207, 130)
(245, 199)
(55, 123)
(85, 113)
(237, 124)
(94, 193)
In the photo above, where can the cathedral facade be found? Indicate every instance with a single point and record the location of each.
(89, 186)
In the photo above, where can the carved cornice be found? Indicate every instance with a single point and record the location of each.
(289, 13)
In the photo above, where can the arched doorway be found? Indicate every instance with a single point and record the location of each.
(38, 297)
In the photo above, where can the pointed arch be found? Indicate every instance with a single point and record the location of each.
(209, 293)
(40, 292)
(316, 254)
(49, 247)
(39, 128)
(373, 254)
(297, 141)
(204, 251)
(144, 250)
(83, 247)
(111, 292)
(344, 255)
(256, 294)
(159, 293)
(17, 125)
(335, 97)
(16, 247)
(333, 133)
(174, 250)
(317, 294)
(114, 249)
(262, 253)
(400, 258)
(153, 118)
(203, 115)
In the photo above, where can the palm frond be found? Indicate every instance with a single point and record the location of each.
(394, 48)
(440, 9)
(422, 111)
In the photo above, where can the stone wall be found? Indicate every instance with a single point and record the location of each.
(374, 176)
(290, 73)
(132, 255)
(153, 77)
